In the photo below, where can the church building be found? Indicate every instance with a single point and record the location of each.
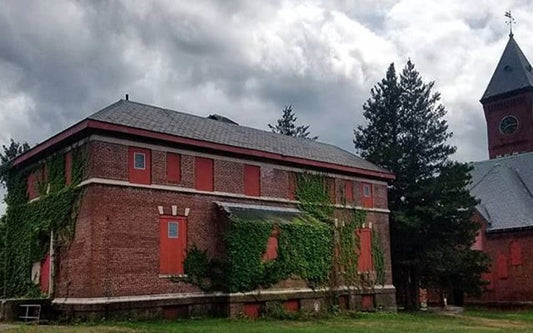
(504, 183)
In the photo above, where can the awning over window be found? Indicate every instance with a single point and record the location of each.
(271, 214)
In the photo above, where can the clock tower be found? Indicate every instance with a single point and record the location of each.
(508, 104)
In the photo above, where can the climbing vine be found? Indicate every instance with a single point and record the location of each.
(314, 246)
(378, 257)
(29, 224)
(313, 197)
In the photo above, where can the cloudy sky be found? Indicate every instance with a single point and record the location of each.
(63, 60)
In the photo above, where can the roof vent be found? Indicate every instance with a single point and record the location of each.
(508, 68)
(223, 119)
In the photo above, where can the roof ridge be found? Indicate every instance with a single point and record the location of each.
(288, 137)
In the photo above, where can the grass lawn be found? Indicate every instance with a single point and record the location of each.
(470, 321)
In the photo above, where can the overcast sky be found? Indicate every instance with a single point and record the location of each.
(63, 60)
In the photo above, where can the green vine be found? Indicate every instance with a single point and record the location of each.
(348, 245)
(28, 225)
(314, 247)
(312, 194)
(378, 257)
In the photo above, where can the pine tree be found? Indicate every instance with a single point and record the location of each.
(429, 202)
(10, 152)
(287, 125)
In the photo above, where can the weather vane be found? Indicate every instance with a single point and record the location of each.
(510, 21)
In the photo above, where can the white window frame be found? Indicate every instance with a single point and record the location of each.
(365, 188)
(177, 229)
(135, 161)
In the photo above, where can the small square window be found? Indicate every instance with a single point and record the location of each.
(366, 191)
(139, 161)
(172, 229)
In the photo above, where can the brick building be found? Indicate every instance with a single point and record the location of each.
(155, 184)
(504, 183)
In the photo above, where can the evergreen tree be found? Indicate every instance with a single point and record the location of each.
(429, 202)
(10, 152)
(287, 125)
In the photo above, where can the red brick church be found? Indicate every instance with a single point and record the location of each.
(158, 182)
(504, 183)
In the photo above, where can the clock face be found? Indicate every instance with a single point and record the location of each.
(508, 125)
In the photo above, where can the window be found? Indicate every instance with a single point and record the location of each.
(173, 244)
(173, 168)
(68, 168)
(501, 267)
(365, 250)
(172, 229)
(139, 164)
(367, 199)
(366, 191)
(516, 253)
(203, 174)
(348, 191)
(252, 180)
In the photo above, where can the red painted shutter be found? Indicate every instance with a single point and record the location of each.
(252, 180)
(252, 310)
(68, 168)
(291, 306)
(516, 253)
(348, 190)
(365, 250)
(32, 186)
(271, 252)
(501, 267)
(367, 303)
(203, 174)
(367, 199)
(136, 174)
(173, 244)
(45, 274)
(292, 186)
(173, 168)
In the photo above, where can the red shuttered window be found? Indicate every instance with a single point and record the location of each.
(203, 174)
(501, 267)
(68, 168)
(252, 180)
(367, 199)
(139, 165)
(365, 250)
(516, 253)
(348, 190)
(173, 244)
(173, 168)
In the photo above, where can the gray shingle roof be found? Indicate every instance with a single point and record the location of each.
(504, 187)
(137, 115)
(512, 73)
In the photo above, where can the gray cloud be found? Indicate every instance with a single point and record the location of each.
(62, 60)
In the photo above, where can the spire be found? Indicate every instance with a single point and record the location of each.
(513, 74)
(510, 21)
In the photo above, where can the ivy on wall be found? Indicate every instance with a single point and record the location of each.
(313, 247)
(29, 224)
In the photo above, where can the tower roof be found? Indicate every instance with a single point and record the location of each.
(513, 73)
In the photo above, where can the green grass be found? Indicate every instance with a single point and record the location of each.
(470, 321)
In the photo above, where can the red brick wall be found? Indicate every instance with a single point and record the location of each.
(274, 182)
(115, 251)
(518, 285)
(229, 177)
(522, 140)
